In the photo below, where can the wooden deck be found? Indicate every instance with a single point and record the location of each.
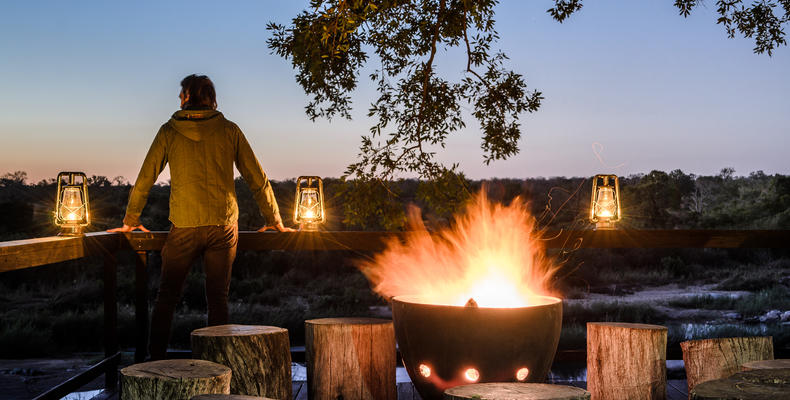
(22, 254)
(676, 390)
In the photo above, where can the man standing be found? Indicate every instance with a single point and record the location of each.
(201, 147)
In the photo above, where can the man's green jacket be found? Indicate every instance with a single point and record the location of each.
(201, 147)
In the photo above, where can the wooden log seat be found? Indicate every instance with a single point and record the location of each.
(515, 391)
(260, 357)
(228, 397)
(782, 363)
(350, 358)
(758, 384)
(710, 359)
(626, 361)
(173, 380)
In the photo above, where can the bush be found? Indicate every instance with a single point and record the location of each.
(20, 338)
(774, 298)
(611, 312)
(706, 302)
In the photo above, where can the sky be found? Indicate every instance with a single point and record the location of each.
(629, 86)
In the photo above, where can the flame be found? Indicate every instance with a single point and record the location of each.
(491, 254)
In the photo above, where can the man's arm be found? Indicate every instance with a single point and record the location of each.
(256, 179)
(154, 163)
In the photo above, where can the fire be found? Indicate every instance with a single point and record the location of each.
(491, 256)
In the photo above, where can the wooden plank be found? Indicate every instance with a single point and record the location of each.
(81, 379)
(578, 384)
(20, 254)
(141, 305)
(300, 390)
(406, 391)
(630, 238)
(677, 390)
(618, 238)
(289, 241)
(110, 319)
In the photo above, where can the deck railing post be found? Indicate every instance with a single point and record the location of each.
(141, 305)
(110, 319)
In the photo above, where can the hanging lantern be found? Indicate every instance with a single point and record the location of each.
(71, 206)
(309, 205)
(605, 204)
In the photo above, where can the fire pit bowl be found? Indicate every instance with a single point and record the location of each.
(445, 346)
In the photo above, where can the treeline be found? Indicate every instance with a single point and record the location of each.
(657, 200)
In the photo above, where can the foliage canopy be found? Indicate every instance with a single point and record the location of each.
(416, 108)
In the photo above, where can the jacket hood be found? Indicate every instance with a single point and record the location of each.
(196, 124)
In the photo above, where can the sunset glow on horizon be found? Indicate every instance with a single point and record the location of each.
(629, 88)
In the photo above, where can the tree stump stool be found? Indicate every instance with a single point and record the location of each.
(260, 357)
(173, 380)
(350, 358)
(759, 384)
(776, 376)
(626, 361)
(710, 359)
(228, 397)
(782, 363)
(515, 391)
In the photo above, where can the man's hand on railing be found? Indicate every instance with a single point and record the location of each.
(127, 228)
(278, 227)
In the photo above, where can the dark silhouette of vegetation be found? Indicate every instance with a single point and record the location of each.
(654, 200)
(57, 309)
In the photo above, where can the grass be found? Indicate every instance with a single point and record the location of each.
(610, 311)
(752, 277)
(573, 336)
(705, 302)
(774, 298)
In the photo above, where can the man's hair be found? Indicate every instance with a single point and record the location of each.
(200, 90)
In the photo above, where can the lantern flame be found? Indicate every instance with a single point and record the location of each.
(491, 256)
(425, 370)
(606, 204)
(472, 375)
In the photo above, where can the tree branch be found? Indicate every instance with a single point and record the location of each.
(469, 51)
(428, 69)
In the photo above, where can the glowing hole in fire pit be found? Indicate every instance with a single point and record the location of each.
(472, 375)
(522, 374)
(425, 370)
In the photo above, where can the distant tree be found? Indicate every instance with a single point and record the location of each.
(120, 181)
(99, 180)
(16, 210)
(13, 178)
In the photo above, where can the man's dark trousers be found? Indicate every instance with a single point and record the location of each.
(217, 244)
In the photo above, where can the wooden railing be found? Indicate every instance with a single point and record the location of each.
(21, 254)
